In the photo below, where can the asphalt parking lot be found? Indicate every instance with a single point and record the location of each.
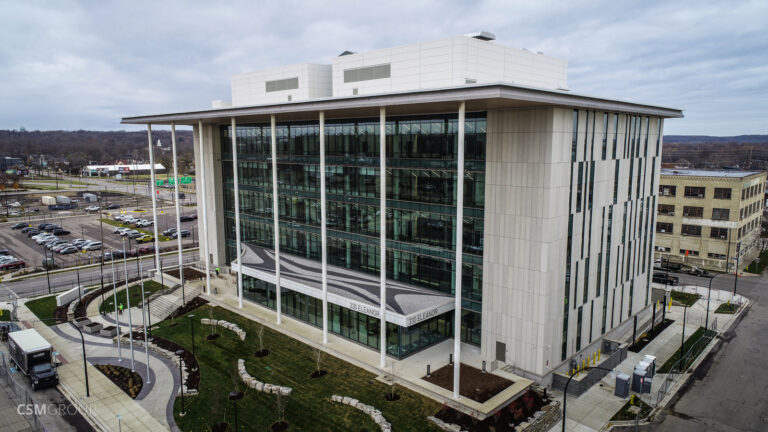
(86, 225)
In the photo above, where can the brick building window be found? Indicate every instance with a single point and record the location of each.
(720, 214)
(695, 192)
(691, 230)
(723, 193)
(664, 227)
(667, 190)
(693, 211)
(720, 233)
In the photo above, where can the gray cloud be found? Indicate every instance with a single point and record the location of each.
(83, 65)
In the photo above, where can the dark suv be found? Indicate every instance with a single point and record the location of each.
(663, 278)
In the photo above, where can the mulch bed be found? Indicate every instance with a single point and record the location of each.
(60, 313)
(261, 353)
(193, 371)
(220, 427)
(319, 373)
(212, 336)
(129, 382)
(189, 307)
(646, 338)
(279, 426)
(189, 274)
(474, 384)
(506, 419)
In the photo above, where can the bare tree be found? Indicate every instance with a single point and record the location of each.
(280, 408)
(260, 334)
(318, 355)
(392, 385)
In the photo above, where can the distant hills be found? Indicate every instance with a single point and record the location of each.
(700, 151)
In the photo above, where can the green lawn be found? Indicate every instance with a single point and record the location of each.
(43, 307)
(109, 302)
(5, 315)
(289, 364)
(691, 351)
(726, 308)
(122, 225)
(685, 298)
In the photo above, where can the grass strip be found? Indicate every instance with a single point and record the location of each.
(43, 308)
(685, 298)
(5, 315)
(624, 414)
(726, 308)
(691, 347)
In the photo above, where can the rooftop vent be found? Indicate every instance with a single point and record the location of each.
(482, 35)
(347, 53)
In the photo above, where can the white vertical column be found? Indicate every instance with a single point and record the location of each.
(383, 232)
(459, 247)
(236, 175)
(323, 232)
(178, 211)
(204, 197)
(153, 190)
(275, 214)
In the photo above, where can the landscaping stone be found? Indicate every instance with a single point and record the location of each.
(227, 325)
(375, 414)
(258, 385)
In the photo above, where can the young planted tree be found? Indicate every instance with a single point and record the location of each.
(262, 352)
(280, 403)
(318, 355)
(392, 395)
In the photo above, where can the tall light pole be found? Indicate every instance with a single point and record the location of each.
(117, 317)
(709, 295)
(85, 362)
(682, 339)
(565, 391)
(128, 304)
(235, 396)
(144, 322)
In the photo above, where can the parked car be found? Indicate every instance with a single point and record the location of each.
(663, 278)
(144, 223)
(184, 233)
(42, 226)
(182, 195)
(51, 227)
(49, 264)
(33, 232)
(187, 218)
(78, 242)
(146, 249)
(4, 252)
(145, 238)
(112, 207)
(19, 225)
(92, 208)
(700, 272)
(91, 246)
(60, 231)
(169, 231)
(12, 265)
(67, 250)
(135, 234)
(61, 246)
(27, 229)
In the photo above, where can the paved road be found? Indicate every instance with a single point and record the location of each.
(731, 392)
(61, 281)
(139, 188)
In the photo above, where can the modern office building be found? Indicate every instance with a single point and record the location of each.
(458, 179)
(709, 218)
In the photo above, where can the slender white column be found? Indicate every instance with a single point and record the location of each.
(459, 247)
(383, 232)
(153, 190)
(323, 233)
(204, 195)
(275, 214)
(236, 174)
(178, 212)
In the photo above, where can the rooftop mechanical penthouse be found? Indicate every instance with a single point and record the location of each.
(458, 179)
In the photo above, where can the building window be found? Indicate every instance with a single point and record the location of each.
(693, 211)
(716, 256)
(367, 73)
(723, 193)
(720, 214)
(694, 192)
(720, 233)
(666, 209)
(667, 190)
(691, 230)
(282, 84)
(687, 252)
(664, 227)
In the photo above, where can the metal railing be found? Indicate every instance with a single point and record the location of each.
(18, 393)
(675, 374)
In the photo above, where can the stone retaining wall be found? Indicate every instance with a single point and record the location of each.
(551, 416)
(375, 414)
(258, 385)
(227, 325)
(165, 353)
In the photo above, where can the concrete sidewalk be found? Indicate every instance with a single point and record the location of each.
(593, 410)
(106, 401)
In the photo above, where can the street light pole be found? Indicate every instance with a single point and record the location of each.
(85, 362)
(235, 396)
(117, 317)
(709, 295)
(192, 329)
(682, 339)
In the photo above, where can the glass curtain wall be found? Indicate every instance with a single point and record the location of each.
(421, 198)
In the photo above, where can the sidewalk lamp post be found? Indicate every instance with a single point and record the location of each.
(181, 381)
(682, 340)
(709, 295)
(149, 317)
(85, 362)
(192, 329)
(565, 390)
(235, 396)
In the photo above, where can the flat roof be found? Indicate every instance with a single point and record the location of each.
(478, 97)
(707, 173)
(29, 340)
(406, 304)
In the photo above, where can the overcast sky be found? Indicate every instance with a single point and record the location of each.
(84, 65)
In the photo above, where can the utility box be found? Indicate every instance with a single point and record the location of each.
(637, 378)
(651, 360)
(622, 386)
(646, 385)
